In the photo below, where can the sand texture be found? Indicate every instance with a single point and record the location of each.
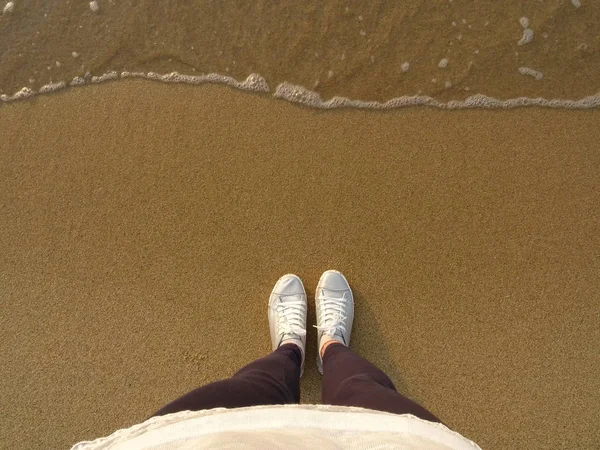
(144, 225)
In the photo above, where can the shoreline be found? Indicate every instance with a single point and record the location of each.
(292, 93)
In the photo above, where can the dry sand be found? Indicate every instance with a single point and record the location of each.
(143, 227)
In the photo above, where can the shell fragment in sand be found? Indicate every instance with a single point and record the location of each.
(527, 37)
(8, 8)
(531, 72)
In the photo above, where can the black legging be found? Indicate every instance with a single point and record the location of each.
(348, 380)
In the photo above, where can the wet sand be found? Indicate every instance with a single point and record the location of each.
(144, 225)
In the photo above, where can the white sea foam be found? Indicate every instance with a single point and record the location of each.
(133, 74)
(77, 81)
(112, 75)
(23, 93)
(94, 6)
(576, 3)
(51, 87)
(531, 72)
(524, 21)
(527, 37)
(254, 82)
(299, 94)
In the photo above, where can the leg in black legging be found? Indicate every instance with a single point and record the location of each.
(349, 380)
(272, 380)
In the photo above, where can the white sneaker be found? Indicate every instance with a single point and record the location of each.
(335, 311)
(287, 314)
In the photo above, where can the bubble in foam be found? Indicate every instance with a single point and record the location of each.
(405, 66)
(8, 8)
(23, 93)
(77, 81)
(527, 37)
(576, 3)
(443, 63)
(94, 6)
(531, 72)
(524, 21)
(112, 75)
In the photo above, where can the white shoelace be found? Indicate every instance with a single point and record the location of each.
(291, 316)
(332, 318)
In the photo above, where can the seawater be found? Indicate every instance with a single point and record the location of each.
(379, 54)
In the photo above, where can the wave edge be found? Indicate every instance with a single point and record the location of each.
(300, 95)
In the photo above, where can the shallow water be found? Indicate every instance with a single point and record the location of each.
(378, 50)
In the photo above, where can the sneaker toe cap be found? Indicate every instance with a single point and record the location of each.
(289, 284)
(334, 280)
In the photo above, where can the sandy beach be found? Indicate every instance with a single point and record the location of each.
(144, 225)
